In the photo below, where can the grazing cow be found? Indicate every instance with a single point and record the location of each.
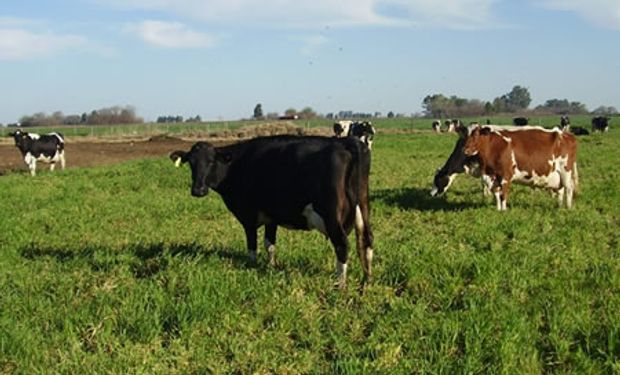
(436, 126)
(600, 123)
(341, 128)
(48, 148)
(295, 182)
(532, 156)
(520, 121)
(578, 130)
(565, 123)
(457, 163)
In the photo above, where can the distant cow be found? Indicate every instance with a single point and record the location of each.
(436, 126)
(360, 129)
(565, 123)
(364, 131)
(341, 128)
(600, 124)
(520, 121)
(295, 182)
(578, 130)
(533, 156)
(48, 148)
(452, 125)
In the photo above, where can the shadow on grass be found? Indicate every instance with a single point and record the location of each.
(146, 260)
(420, 199)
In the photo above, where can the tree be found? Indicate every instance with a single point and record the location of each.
(390, 114)
(517, 99)
(562, 107)
(307, 113)
(605, 111)
(258, 112)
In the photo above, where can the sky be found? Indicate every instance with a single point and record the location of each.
(219, 58)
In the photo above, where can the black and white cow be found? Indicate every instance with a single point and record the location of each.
(436, 126)
(360, 129)
(600, 124)
(295, 182)
(520, 121)
(341, 128)
(456, 164)
(565, 123)
(48, 148)
(578, 130)
(364, 131)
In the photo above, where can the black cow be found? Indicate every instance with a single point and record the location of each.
(457, 163)
(578, 130)
(48, 148)
(295, 182)
(600, 123)
(520, 121)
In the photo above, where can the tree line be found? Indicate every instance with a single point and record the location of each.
(517, 100)
(103, 116)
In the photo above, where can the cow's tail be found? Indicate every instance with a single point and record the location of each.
(360, 167)
(575, 178)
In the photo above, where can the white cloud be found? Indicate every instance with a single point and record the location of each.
(21, 44)
(322, 13)
(604, 13)
(170, 35)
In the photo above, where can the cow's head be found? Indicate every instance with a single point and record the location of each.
(476, 136)
(457, 163)
(19, 137)
(207, 165)
(364, 131)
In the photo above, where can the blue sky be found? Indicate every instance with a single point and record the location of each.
(218, 58)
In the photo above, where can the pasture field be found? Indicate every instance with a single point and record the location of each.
(117, 269)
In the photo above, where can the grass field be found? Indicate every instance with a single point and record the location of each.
(119, 270)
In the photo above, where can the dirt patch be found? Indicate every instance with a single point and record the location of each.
(91, 151)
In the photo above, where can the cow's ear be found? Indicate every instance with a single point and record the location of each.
(178, 157)
(224, 157)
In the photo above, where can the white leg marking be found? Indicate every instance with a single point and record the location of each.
(359, 221)
(498, 201)
(271, 252)
(341, 273)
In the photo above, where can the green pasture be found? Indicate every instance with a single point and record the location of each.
(118, 270)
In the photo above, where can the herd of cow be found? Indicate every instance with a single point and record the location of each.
(322, 183)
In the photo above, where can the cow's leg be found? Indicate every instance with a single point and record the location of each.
(567, 183)
(504, 189)
(364, 239)
(560, 195)
(52, 166)
(338, 238)
(270, 242)
(32, 165)
(62, 160)
(250, 236)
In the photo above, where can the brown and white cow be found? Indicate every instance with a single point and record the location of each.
(531, 156)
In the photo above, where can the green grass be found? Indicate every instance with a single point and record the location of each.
(118, 269)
